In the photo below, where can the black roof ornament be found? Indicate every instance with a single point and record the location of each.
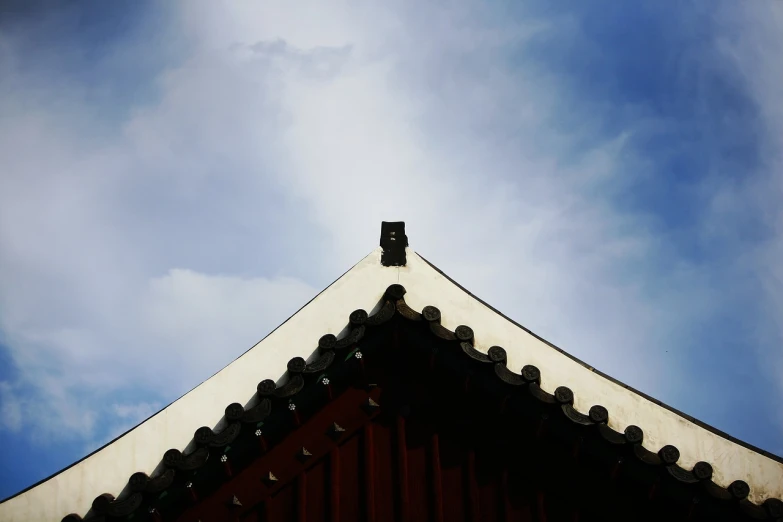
(393, 242)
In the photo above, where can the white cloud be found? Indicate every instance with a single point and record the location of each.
(266, 163)
(209, 316)
(176, 330)
(11, 412)
(135, 412)
(752, 56)
(433, 126)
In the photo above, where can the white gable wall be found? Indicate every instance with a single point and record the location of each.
(141, 449)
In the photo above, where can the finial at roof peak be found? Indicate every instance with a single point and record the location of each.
(393, 242)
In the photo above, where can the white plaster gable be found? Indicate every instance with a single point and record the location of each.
(141, 449)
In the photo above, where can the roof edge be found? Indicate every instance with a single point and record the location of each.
(375, 252)
(655, 401)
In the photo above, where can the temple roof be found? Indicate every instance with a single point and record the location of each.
(394, 280)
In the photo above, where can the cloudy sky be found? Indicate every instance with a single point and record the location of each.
(176, 179)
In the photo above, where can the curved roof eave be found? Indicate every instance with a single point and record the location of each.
(141, 449)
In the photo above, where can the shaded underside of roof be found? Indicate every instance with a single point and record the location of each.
(341, 363)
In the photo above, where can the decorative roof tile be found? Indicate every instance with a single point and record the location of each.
(525, 382)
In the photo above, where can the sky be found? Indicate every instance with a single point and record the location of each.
(177, 179)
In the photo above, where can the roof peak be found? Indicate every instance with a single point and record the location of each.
(393, 242)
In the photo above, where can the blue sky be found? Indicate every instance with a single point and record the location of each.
(177, 181)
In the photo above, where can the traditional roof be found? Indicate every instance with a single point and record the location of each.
(394, 283)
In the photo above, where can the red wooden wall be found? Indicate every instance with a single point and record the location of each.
(388, 472)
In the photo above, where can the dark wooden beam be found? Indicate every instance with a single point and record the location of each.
(652, 491)
(615, 471)
(576, 448)
(252, 484)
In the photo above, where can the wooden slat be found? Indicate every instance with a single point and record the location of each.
(334, 476)
(369, 472)
(473, 494)
(540, 506)
(506, 498)
(437, 484)
(301, 497)
(402, 469)
(352, 478)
